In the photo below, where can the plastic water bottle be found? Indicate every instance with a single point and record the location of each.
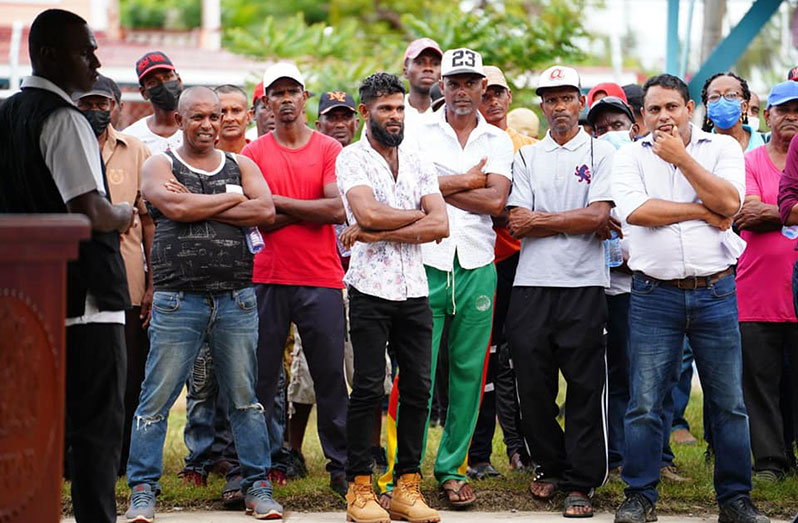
(254, 239)
(613, 255)
(790, 231)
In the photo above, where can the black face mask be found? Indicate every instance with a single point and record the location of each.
(99, 120)
(165, 95)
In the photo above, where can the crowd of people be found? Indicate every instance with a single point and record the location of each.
(442, 255)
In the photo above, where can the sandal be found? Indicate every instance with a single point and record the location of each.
(385, 499)
(554, 482)
(232, 496)
(577, 500)
(447, 491)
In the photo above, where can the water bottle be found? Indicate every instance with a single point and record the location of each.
(790, 231)
(254, 239)
(613, 256)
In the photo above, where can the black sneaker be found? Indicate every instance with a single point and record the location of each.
(339, 485)
(296, 467)
(636, 508)
(741, 510)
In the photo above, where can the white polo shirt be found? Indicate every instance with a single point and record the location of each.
(471, 235)
(685, 249)
(549, 177)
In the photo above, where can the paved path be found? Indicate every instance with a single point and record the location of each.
(446, 517)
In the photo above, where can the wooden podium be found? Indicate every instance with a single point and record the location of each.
(34, 250)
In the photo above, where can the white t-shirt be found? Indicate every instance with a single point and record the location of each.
(549, 177)
(154, 142)
(72, 156)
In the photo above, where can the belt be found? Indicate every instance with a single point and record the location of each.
(694, 282)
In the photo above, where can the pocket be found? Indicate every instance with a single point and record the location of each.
(643, 285)
(246, 300)
(724, 287)
(166, 301)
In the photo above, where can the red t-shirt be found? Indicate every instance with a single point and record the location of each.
(303, 253)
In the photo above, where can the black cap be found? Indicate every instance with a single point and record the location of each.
(437, 96)
(152, 61)
(609, 103)
(332, 99)
(104, 86)
(634, 95)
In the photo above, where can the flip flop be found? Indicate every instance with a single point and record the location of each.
(549, 481)
(574, 500)
(459, 503)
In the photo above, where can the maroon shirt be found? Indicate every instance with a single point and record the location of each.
(788, 185)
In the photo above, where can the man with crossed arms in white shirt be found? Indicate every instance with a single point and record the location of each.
(679, 188)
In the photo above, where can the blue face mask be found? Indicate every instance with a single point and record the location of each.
(617, 138)
(724, 113)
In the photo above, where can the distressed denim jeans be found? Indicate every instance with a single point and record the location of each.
(181, 324)
(661, 316)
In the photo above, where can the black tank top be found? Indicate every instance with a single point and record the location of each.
(206, 256)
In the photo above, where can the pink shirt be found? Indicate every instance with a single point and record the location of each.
(764, 271)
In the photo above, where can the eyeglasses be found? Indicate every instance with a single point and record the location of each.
(732, 97)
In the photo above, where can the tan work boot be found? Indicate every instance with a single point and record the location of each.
(409, 504)
(362, 505)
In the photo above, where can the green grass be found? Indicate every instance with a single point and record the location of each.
(506, 493)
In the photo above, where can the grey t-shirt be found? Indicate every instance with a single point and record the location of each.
(548, 177)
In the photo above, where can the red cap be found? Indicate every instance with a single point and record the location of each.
(612, 89)
(792, 74)
(152, 61)
(417, 47)
(257, 94)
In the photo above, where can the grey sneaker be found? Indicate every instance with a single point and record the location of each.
(260, 503)
(142, 504)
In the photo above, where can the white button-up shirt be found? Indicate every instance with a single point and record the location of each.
(388, 270)
(685, 249)
(471, 235)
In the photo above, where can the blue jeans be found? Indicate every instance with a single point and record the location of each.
(661, 316)
(681, 392)
(181, 324)
(207, 435)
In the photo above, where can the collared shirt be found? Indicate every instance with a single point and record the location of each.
(549, 177)
(413, 117)
(72, 155)
(684, 249)
(389, 270)
(471, 235)
(154, 142)
(124, 156)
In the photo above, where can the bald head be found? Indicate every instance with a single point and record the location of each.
(199, 115)
(196, 95)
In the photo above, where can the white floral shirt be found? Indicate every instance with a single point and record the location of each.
(388, 270)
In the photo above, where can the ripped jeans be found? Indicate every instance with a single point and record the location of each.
(181, 323)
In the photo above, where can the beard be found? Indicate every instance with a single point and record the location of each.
(382, 135)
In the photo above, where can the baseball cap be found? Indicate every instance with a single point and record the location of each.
(282, 70)
(558, 76)
(257, 94)
(792, 74)
(104, 86)
(332, 99)
(152, 61)
(524, 120)
(610, 88)
(461, 61)
(634, 96)
(417, 47)
(437, 97)
(495, 76)
(783, 92)
(609, 103)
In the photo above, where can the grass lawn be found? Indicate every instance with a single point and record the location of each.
(507, 493)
